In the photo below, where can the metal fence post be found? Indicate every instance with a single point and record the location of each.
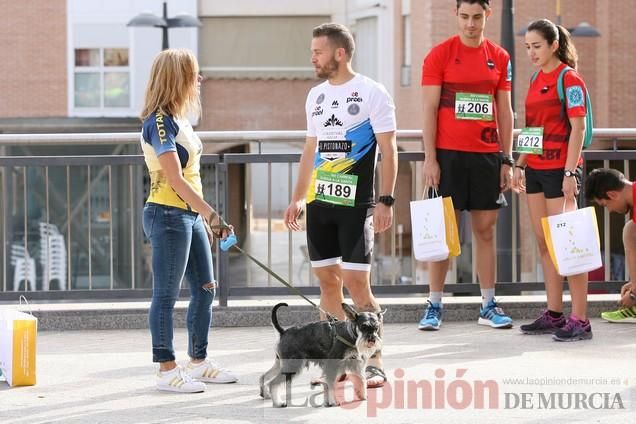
(223, 197)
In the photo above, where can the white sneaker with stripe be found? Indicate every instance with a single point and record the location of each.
(209, 371)
(178, 380)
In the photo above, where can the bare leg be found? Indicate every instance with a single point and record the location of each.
(359, 287)
(540, 207)
(438, 270)
(629, 242)
(483, 223)
(167, 366)
(331, 296)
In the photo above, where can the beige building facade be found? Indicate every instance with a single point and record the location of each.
(255, 55)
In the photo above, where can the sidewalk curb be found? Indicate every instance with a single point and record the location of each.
(114, 316)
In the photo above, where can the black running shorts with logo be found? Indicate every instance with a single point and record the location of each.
(549, 181)
(470, 179)
(340, 235)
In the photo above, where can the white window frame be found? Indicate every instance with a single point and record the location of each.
(102, 110)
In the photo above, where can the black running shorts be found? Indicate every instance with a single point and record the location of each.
(548, 181)
(471, 179)
(340, 235)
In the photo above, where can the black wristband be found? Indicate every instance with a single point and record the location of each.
(387, 200)
(507, 160)
(523, 168)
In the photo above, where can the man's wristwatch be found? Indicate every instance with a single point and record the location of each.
(507, 160)
(569, 173)
(387, 200)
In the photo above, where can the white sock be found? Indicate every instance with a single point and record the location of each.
(435, 297)
(486, 296)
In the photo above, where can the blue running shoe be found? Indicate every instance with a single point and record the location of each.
(494, 316)
(432, 318)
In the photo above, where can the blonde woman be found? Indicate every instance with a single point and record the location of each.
(177, 222)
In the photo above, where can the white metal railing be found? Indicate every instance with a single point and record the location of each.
(607, 134)
(100, 170)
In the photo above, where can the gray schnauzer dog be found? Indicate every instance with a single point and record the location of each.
(335, 346)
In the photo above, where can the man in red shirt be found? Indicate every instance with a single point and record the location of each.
(610, 188)
(467, 137)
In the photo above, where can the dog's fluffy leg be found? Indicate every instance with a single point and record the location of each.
(360, 382)
(331, 374)
(275, 387)
(267, 378)
(288, 370)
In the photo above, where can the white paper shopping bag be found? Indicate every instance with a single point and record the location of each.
(18, 332)
(573, 241)
(429, 230)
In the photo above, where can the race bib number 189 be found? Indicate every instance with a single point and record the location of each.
(338, 189)
(473, 106)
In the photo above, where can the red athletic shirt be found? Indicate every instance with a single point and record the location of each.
(544, 109)
(458, 68)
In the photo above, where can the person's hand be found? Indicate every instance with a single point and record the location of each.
(431, 173)
(292, 213)
(382, 217)
(519, 180)
(626, 299)
(626, 288)
(505, 178)
(569, 188)
(216, 228)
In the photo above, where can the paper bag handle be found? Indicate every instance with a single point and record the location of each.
(426, 190)
(26, 303)
(565, 202)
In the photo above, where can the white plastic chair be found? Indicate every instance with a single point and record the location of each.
(52, 256)
(24, 267)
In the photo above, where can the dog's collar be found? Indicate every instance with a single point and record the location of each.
(345, 342)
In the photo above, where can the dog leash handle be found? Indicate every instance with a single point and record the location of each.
(228, 242)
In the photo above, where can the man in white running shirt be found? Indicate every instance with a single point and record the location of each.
(348, 117)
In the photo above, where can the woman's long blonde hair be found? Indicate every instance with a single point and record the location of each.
(172, 87)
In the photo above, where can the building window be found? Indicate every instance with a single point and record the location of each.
(102, 78)
(240, 47)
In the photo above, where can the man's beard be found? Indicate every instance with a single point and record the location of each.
(327, 70)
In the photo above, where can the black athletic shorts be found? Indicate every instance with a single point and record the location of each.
(548, 181)
(340, 235)
(470, 179)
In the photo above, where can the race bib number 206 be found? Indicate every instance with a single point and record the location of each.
(473, 106)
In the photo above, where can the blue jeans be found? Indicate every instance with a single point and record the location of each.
(180, 247)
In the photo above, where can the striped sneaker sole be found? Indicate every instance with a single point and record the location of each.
(485, 321)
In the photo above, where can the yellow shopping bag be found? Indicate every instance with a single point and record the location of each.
(435, 236)
(452, 233)
(18, 332)
(573, 241)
